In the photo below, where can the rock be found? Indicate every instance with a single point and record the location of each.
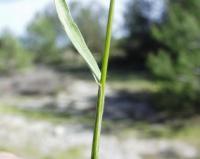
(5, 86)
(123, 107)
(36, 82)
(8, 156)
(38, 103)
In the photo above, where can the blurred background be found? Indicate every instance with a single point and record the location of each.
(48, 97)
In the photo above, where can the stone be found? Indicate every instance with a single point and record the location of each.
(36, 82)
(8, 156)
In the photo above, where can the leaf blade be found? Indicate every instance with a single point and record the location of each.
(76, 37)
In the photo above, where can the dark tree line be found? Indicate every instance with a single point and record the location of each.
(169, 48)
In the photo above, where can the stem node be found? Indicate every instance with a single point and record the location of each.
(101, 93)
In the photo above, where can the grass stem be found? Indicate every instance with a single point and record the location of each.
(101, 93)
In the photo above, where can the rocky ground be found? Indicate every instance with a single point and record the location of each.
(47, 91)
(50, 91)
(39, 139)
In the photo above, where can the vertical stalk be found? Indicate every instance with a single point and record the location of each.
(101, 93)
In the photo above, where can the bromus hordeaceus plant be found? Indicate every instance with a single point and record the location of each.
(78, 41)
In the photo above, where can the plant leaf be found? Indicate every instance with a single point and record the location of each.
(76, 37)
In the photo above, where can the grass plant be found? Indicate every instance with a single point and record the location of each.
(78, 41)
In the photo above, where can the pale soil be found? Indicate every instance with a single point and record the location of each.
(47, 91)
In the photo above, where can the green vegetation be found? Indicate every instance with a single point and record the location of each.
(102, 84)
(133, 82)
(168, 48)
(42, 41)
(33, 114)
(13, 56)
(89, 15)
(75, 36)
(139, 42)
(33, 152)
(53, 42)
(177, 65)
(155, 65)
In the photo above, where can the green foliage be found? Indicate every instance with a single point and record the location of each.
(94, 15)
(181, 30)
(78, 41)
(181, 85)
(46, 37)
(139, 42)
(165, 65)
(76, 37)
(135, 22)
(179, 62)
(42, 35)
(12, 55)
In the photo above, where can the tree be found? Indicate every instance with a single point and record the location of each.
(179, 65)
(139, 18)
(46, 38)
(12, 55)
(92, 23)
(42, 37)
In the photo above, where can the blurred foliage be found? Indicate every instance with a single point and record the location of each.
(179, 65)
(91, 21)
(46, 38)
(12, 55)
(168, 46)
(42, 35)
(136, 23)
(139, 42)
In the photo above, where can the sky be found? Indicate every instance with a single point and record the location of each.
(16, 14)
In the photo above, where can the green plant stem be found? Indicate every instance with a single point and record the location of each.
(101, 93)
